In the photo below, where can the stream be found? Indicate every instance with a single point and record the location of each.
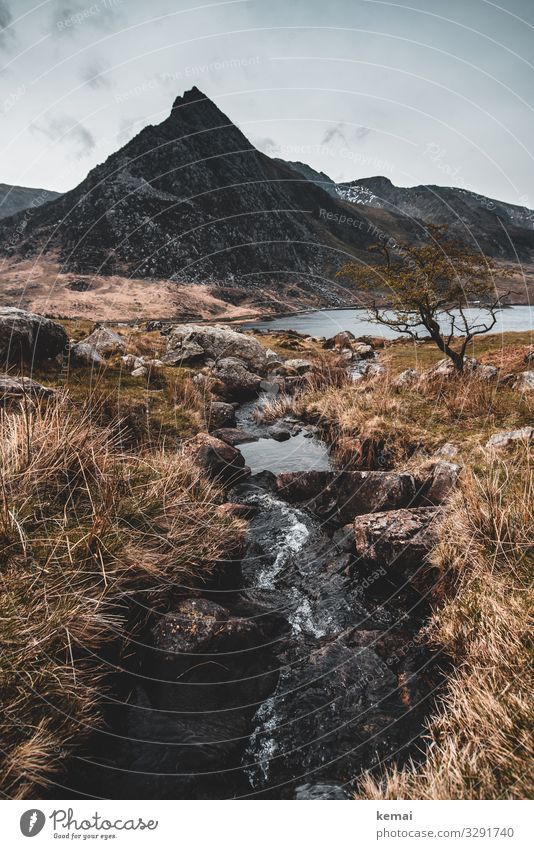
(290, 673)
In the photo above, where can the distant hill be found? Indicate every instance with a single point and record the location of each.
(16, 198)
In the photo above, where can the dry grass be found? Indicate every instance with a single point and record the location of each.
(371, 423)
(86, 531)
(480, 739)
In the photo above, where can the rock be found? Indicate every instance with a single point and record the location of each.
(441, 483)
(448, 450)
(373, 369)
(340, 496)
(279, 432)
(217, 459)
(197, 625)
(524, 381)
(238, 383)
(141, 371)
(344, 339)
(298, 365)
(130, 361)
(105, 341)
(408, 377)
(216, 342)
(84, 354)
(509, 438)
(397, 539)
(445, 369)
(529, 357)
(188, 351)
(219, 414)
(366, 352)
(315, 792)
(29, 337)
(15, 388)
(233, 435)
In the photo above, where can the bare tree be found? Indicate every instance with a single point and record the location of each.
(429, 287)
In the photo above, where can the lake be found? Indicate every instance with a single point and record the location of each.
(329, 322)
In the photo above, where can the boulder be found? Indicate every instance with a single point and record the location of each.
(219, 414)
(105, 341)
(366, 352)
(408, 377)
(233, 435)
(340, 496)
(395, 538)
(298, 365)
(524, 381)
(500, 441)
(448, 449)
(238, 383)
(217, 459)
(29, 337)
(344, 339)
(140, 371)
(445, 369)
(83, 354)
(280, 432)
(16, 388)
(214, 342)
(440, 483)
(196, 625)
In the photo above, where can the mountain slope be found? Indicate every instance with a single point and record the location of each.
(13, 199)
(499, 229)
(191, 199)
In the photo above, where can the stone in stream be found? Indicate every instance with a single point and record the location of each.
(234, 435)
(217, 459)
(220, 414)
(203, 672)
(341, 496)
(237, 383)
(395, 539)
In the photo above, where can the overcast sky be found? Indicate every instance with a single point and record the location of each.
(422, 92)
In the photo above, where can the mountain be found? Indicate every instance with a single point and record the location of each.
(317, 177)
(499, 229)
(191, 199)
(13, 199)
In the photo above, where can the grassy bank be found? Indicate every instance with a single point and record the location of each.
(88, 534)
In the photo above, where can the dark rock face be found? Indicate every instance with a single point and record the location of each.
(192, 199)
(14, 199)
(496, 228)
(27, 337)
(441, 482)
(217, 459)
(343, 495)
(395, 539)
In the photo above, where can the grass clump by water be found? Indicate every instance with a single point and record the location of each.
(87, 532)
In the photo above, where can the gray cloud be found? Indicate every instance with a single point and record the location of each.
(6, 18)
(94, 75)
(336, 133)
(72, 16)
(65, 129)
